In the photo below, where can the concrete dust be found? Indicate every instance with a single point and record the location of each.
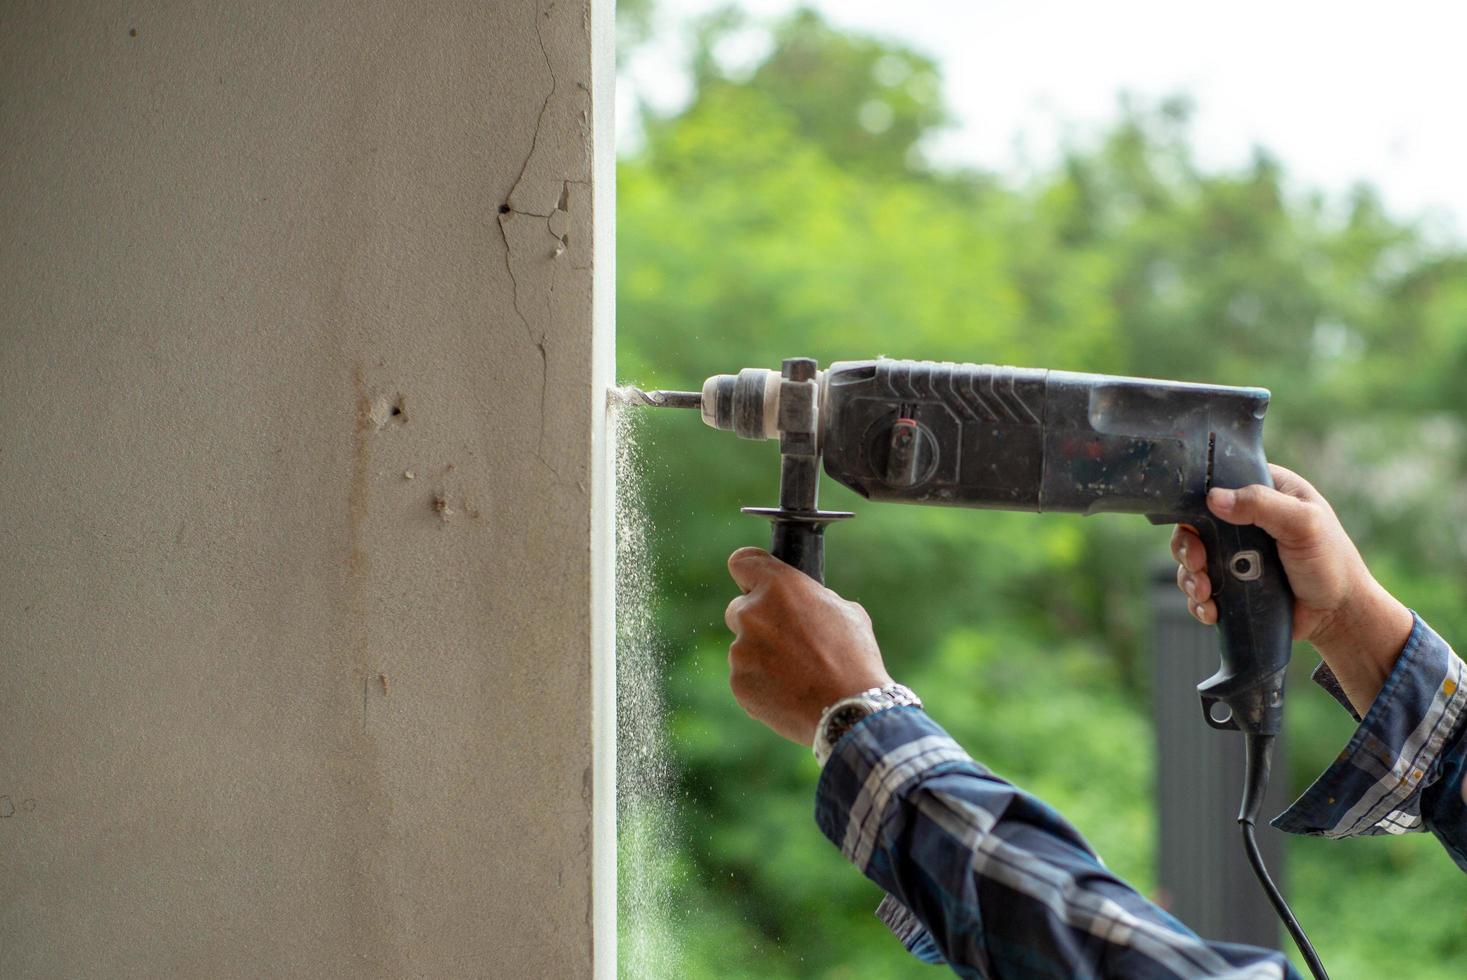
(646, 809)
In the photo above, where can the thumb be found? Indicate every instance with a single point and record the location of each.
(1285, 517)
(751, 567)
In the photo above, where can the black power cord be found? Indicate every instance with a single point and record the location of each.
(1257, 753)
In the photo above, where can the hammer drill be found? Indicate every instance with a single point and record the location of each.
(979, 435)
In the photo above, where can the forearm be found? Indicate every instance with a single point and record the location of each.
(1362, 641)
(998, 881)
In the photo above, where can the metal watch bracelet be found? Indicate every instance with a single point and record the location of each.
(844, 714)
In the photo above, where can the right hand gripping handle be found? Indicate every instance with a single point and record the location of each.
(1255, 610)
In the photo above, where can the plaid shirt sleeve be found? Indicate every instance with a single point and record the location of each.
(989, 879)
(1403, 769)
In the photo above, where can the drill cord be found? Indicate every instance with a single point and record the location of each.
(1258, 752)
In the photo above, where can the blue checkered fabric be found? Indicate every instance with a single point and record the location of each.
(993, 882)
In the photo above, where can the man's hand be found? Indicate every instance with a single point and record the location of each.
(798, 647)
(1356, 625)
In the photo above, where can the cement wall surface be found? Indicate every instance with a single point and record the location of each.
(302, 598)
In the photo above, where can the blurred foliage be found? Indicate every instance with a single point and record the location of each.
(862, 102)
(634, 23)
(780, 214)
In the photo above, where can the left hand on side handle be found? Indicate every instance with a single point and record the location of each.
(798, 647)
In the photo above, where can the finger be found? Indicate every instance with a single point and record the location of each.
(1178, 542)
(1187, 548)
(1204, 612)
(1286, 518)
(1196, 585)
(1287, 481)
(751, 566)
(733, 611)
(1201, 586)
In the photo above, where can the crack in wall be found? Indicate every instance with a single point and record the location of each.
(544, 106)
(538, 342)
(508, 211)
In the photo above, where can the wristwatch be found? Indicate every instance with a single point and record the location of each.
(842, 716)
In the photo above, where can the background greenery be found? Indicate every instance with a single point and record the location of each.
(789, 211)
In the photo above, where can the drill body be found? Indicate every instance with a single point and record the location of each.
(978, 435)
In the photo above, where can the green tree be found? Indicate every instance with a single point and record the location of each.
(772, 218)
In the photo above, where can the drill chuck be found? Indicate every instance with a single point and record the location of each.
(746, 404)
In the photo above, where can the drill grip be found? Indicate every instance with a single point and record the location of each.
(800, 543)
(798, 536)
(1255, 617)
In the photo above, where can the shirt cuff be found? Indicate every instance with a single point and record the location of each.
(1375, 785)
(1326, 679)
(909, 931)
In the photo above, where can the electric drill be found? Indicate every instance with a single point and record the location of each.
(976, 435)
(979, 435)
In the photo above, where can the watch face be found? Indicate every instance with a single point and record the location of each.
(846, 715)
(841, 719)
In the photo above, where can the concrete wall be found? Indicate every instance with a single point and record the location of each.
(302, 485)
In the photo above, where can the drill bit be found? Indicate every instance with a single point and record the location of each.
(661, 399)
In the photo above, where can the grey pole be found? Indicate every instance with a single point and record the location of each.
(1204, 876)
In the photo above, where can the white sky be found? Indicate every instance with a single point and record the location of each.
(1339, 92)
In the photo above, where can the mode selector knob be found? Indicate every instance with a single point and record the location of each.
(905, 466)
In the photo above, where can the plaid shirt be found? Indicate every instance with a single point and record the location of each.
(992, 881)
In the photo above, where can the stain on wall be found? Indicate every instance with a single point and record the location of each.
(301, 386)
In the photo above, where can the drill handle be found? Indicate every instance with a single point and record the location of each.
(801, 544)
(1255, 610)
(798, 536)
